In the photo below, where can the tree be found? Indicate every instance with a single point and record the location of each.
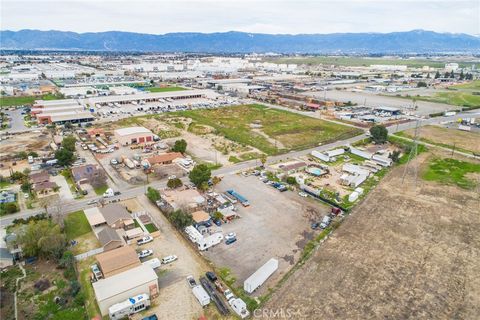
(200, 174)
(217, 215)
(153, 194)
(17, 175)
(69, 143)
(64, 156)
(21, 155)
(174, 183)
(437, 75)
(26, 187)
(8, 208)
(379, 133)
(421, 84)
(291, 180)
(180, 219)
(263, 159)
(180, 146)
(395, 156)
(33, 154)
(43, 238)
(462, 75)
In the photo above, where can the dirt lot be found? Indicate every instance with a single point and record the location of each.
(274, 225)
(29, 141)
(405, 252)
(449, 136)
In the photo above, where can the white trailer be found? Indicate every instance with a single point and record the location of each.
(383, 161)
(193, 234)
(320, 156)
(201, 295)
(128, 307)
(260, 276)
(210, 241)
(361, 153)
(335, 152)
(464, 128)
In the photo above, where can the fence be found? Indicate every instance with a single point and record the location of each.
(90, 253)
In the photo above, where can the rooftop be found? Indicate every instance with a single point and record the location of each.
(118, 259)
(124, 281)
(132, 130)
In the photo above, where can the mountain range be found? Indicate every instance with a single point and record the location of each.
(415, 41)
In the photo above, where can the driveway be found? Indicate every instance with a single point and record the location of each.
(64, 192)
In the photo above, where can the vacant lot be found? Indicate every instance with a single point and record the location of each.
(275, 131)
(275, 225)
(468, 141)
(25, 100)
(456, 98)
(453, 172)
(405, 252)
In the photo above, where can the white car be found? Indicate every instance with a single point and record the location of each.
(145, 253)
(172, 177)
(93, 201)
(169, 259)
(228, 294)
(114, 161)
(144, 240)
(231, 235)
(302, 194)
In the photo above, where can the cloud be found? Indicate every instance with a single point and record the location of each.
(263, 16)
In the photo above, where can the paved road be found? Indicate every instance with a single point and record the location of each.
(75, 205)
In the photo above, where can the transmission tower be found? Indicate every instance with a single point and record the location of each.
(413, 153)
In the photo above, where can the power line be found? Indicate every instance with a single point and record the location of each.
(413, 153)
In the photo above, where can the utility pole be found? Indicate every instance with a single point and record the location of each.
(453, 149)
(412, 155)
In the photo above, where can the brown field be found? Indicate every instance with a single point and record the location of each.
(404, 253)
(440, 135)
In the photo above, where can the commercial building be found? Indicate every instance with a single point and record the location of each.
(119, 287)
(65, 117)
(133, 135)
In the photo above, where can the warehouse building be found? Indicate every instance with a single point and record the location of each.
(133, 135)
(120, 287)
(65, 117)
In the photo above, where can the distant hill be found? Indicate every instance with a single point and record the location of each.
(416, 41)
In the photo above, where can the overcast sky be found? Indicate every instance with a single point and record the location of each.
(263, 16)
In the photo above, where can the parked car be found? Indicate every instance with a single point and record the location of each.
(151, 317)
(325, 222)
(144, 240)
(218, 222)
(302, 194)
(230, 235)
(145, 253)
(315, 225)
(211, 276)
(116, 193)
(191, 281)
(93, 201)
(169, 259)
(230, 241)
(114, 161)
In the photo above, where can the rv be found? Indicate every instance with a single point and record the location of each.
(128, 307)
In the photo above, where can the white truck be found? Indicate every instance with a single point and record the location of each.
(201, 295)
(260, 276)
(153, 263)
(128, 307)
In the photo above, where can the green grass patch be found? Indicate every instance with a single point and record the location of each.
(456, 98)
(4, 184)
(234, 159)
(474, 85)
(293, 131)
(76, 225)
(87, 288)
(101, 190)
(360, 61)
(406, 146)
(7, 101)
(164, 89)
(452, 172)
(151, 227)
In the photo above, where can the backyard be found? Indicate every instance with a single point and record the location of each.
(271, 131)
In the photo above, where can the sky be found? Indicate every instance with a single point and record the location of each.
(256, 16)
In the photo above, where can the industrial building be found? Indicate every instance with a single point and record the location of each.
(119, 287)
(133, 135)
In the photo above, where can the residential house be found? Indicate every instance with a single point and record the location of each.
(117, 216)
(109, 239)
(117, 260)
(88, 173)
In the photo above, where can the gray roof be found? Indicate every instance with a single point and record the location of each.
(114, 212)
(108, 235)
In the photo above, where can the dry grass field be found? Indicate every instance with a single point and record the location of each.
(406, 252)
(448, 137)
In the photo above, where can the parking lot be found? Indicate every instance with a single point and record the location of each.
(276, 224)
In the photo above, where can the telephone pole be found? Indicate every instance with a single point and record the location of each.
(413, 153)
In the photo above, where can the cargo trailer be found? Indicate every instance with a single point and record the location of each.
(260, 276)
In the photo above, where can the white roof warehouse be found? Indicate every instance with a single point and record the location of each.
(122, 286)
